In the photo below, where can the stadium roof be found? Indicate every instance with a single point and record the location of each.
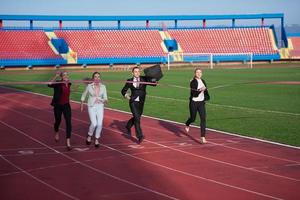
(139, 18)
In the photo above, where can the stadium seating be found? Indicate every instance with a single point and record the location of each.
(231, 40)
(113, 43)
(132, 46)
(295, 52)
(24, 44)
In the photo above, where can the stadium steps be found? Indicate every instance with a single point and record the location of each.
(272, 38)
(294, 47)
(285, 52)
(290, 44)
(70, 57)
(162, 44)
(51, 35)
(176, 55)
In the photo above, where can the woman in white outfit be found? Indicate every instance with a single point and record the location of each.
(97, 97)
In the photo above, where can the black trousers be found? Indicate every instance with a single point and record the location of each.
(66, 111)
(200, 107)
(136, 108)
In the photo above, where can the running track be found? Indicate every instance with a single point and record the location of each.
(168, 164)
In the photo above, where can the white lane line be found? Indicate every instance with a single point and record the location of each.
(156, 118)
(162, 166)
(39, 180)
(88, 160)
(88, 166)
(196, 155)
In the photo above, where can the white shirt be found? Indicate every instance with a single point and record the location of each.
(136, 85)
(92, 96)
(200, 97)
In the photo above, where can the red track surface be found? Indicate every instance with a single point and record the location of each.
(167, 165)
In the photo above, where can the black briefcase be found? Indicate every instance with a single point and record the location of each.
(154, 72)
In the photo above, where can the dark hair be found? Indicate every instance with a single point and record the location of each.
(134, 68)
(95, 74)
(87, 80)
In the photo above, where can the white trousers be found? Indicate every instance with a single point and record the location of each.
(96, 116)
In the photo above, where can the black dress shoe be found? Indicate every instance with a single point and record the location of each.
(69, 148)
(140, 139)
(97, 144)
(128, 131)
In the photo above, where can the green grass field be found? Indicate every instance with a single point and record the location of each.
(239, 104)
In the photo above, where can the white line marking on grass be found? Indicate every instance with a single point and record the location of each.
(220, 86)
(219, 131)
(255, 109)
(226, 106)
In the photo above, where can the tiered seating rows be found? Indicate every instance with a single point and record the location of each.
(296, 47)
(240, 40)
(136, 43)
(25, 45)
(113, 43)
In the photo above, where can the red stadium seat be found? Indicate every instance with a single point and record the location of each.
(25, 45)
(113, 43)
(235, 40)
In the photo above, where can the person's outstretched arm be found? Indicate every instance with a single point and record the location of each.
(53, 79)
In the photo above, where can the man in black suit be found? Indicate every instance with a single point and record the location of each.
(137, 84)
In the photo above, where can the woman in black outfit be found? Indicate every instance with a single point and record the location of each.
(61, 104)
(199, 94)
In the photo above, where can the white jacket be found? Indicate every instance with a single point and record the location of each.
(90, 92)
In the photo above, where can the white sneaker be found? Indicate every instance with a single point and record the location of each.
(56, 137)
(187, 129)
(203, 140)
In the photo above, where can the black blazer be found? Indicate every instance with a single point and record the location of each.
(57, 92)
(137, 92)
(195, 93)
